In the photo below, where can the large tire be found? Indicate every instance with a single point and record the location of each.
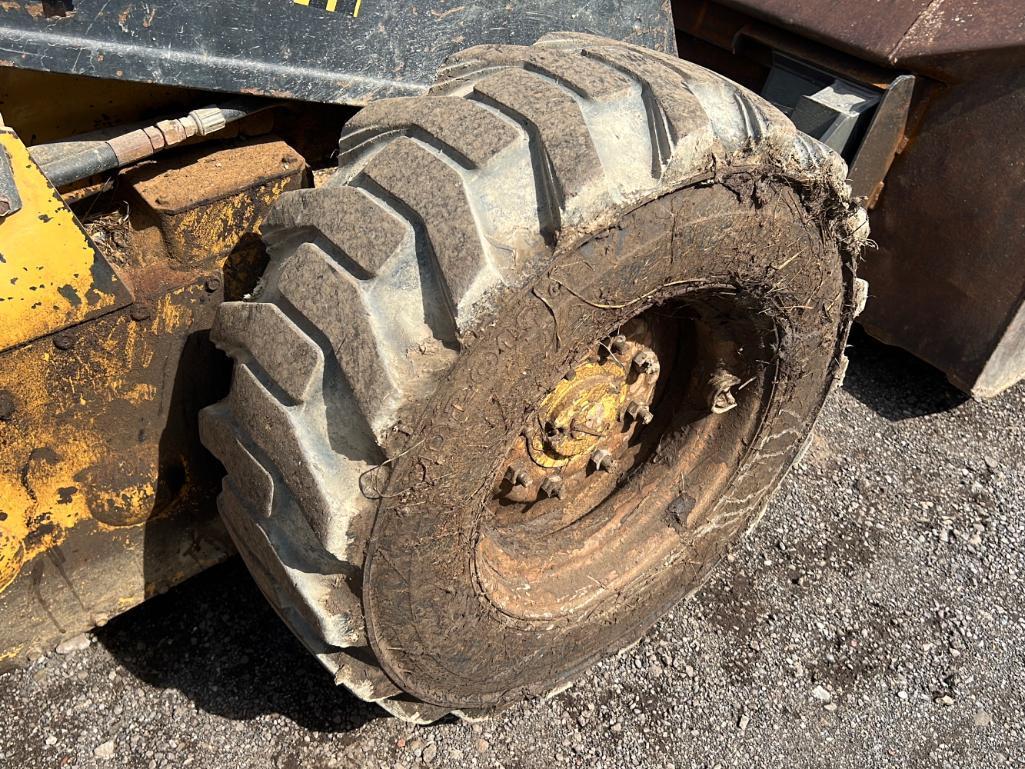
(474, 246)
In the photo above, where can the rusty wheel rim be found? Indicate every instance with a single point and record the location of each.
(623, 459)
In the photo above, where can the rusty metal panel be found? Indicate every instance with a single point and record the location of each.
(197, 206)
(304, 52)
(51, 276)
(106, 495)
(961, 39)
(948, 279)
(947, 39)
(869, 30)
(100, 468)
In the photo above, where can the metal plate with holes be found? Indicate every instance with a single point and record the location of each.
(304, 51)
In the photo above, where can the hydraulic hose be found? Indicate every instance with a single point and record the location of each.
(80, 157)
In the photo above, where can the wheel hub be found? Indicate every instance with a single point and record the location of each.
(586, 423)
(618, 464)
(579, 413)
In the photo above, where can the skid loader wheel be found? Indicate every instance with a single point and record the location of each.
(525, 367)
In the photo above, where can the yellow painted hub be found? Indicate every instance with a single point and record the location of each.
(578, 413)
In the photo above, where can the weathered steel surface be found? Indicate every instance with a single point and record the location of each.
(304, 52)
(50, 274)
(947, 39)
(201, 203)
(958, 39)
(948, 279)
(882, 140)
(106, 495)
(101, 471)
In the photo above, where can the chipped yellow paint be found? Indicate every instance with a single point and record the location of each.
(50, 275)
(53, 477)
(99, 469)
(140, 393)
(193, 234)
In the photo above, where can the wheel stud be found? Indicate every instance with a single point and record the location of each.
(646, 362)
(518, 477)
(602, 460)
(552, 486)
(720, 392)
(639, 412)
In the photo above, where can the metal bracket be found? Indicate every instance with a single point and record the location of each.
(882, 140)
(10, 198)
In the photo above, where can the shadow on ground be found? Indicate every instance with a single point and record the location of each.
(894, 383)
(215, 639)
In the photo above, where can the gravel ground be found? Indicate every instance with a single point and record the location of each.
(874, 619)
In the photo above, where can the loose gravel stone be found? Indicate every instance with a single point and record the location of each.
(105, 751)
(76, 643)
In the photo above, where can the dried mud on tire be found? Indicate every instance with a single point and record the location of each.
(473, 242)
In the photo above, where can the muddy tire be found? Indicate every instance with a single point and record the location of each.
(530, 362)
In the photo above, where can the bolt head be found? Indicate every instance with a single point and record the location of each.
(646, 362)
(552, 486)
(602, 460)
(140, 312)
(517, 477)
(617, 343)
(63, 341)
(639, 412)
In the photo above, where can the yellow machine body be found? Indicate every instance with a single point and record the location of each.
(106, 495)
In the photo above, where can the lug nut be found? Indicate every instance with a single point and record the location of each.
(552, 486)
(646, 362)
(617, 343)
(517, 477)
(602, 460)
(639, 412)
(720, 392)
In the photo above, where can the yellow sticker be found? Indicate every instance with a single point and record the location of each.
(332, 5)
